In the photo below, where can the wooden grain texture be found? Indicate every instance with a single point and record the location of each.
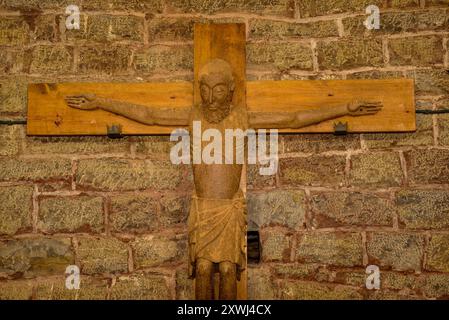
(227, 42)
(221, 41)
(49, 115)
(397, 96)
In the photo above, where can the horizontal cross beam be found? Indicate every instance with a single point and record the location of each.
(49, 115)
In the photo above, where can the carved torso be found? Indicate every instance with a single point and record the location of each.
(219, 181)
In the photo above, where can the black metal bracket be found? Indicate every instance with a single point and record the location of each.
(438, 111)
(253, 246)
(114, 131)
(12, 122)
(340, 128)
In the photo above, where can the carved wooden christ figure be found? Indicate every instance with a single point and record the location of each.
(217, 219)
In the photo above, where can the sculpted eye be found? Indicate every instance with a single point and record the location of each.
(220, 89)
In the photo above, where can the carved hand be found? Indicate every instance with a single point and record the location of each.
(362, 108)
(84, 101)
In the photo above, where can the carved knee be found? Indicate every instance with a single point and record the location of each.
(227, 269)
(203, 267)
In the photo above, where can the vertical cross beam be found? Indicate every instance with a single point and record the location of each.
(227, 42)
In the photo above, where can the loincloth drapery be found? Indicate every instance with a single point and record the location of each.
(218, 232)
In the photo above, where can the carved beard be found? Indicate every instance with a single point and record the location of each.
(217, 115)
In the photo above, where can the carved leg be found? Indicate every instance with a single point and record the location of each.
(203, 280)
(228, 281)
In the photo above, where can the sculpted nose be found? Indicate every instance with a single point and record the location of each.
(210, 97)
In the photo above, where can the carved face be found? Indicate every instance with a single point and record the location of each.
(216, 88)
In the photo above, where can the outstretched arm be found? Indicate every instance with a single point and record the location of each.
(139, 113)
(296, 120)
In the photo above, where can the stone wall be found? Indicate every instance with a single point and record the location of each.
(118, 208)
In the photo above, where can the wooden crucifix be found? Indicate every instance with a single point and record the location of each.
(221, 100)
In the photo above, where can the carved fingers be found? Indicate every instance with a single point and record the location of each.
(361, 108)
(81, 101)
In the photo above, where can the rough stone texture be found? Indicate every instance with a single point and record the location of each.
(174, 210)
(12, 60)
(312, 8)
(276, 246)
(376, 74)
(164, 58)
(352, 277)
(133, 213)
(31, 5)
(140, 287)
(403, 3)
(332, 209)
(440, 103)
(438, 253)
(317, 143)
(44, 27)
(349, 54)
(298, 290)
(443, 129)
(400, 22)
(56, 185)
(376, 169)
(314, 170)
(54, 288)
(71, 214)
(390, 295)
(399, 251)
(10, 140)
(430, 82)
(13, 31)
(102, 255)
(278, 207)
(75, 145)
(268, 7)
(267, 29)
(298, 271)
(338, 249)
(105, 60)
(279, 56)
(15, 209)
(151, 251)
(436, 2)
(147, 6)
(13, 96)
(153, 145)
(142, 213)
(50, 59)
(400, 281)
(116, 174)
(260, 284)
(161, 29)
(37, 256)
(423, 209)
(424, 103)
(16, 290)
(34, 169)
(103, 28)
(436, 286)
(255, 180)
(423, 136)
(419, 51)
(428, 166)
(184, 286)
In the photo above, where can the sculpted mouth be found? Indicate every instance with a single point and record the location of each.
(212, 107)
